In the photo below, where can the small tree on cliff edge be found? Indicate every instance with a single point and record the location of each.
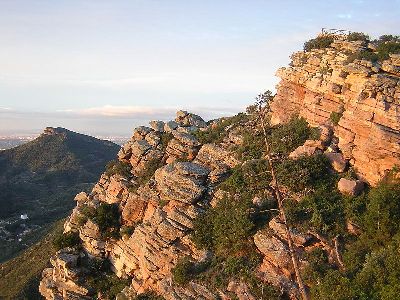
(260, 109)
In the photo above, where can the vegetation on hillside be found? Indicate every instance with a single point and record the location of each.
(227, 228)
(370, 260)
(20, 276)
(101, 280)
(217, 132)
(383, 46)
(40, 179)
(320, 42)
(69, 239)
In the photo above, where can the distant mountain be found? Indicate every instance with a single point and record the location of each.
(39, 179)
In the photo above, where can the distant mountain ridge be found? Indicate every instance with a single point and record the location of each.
(39, 179)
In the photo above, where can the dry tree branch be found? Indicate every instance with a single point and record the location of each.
(262, 103)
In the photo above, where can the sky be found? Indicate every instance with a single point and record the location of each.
(104, 67)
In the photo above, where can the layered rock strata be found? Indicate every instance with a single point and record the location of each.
(174, 179)
(161, 211)
(365, 95)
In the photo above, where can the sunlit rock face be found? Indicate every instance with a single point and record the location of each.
(173, 176)
(365, 94)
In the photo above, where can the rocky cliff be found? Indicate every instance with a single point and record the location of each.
(142, 215)
(365, 95)
(162, 209)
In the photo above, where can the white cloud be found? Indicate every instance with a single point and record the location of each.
(147, 112)
(5, 109)
(115, 111)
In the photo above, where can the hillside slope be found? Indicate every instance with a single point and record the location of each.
(20, 276)
(38, 180)
(261, 205)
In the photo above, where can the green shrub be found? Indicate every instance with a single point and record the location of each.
(320, 42)
(308, 172)
(249, 179)
(100, 279)
(148, 296)
(372, 259)
(363, 55)
(384, 49)
(317, 267)
(380, 221)
(221, 270)
(236, 182)
(321, 211)
(334, 286)
(358, 36)
(252, 147)
(126, 230)
(335, 117)
(387, 38)
(183, 271)
(385, 45)
(118, 167)
(315, 133)
(69, 239)
(85, 212)
(225, 228)
(287, 137)
(107, 284)
(106, 216)
(380, 275)
(217, 133)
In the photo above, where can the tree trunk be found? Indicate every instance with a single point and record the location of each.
(293, 255)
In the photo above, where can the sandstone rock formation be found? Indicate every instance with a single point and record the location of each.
(161, 211)
(174, 178)
(366, 96)
(350, 187)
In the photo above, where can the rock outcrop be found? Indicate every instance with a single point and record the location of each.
(161, 212)
(171, 176)
(364, 95)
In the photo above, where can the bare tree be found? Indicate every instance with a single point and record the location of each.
(262, 106)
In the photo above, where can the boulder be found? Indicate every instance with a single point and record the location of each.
(188, 129)
(63, 280)
(213, 156)
(170, 126)
(134, 209)
(81, 197)
(274, 250)
(116, 190)
(91, 238)
(309, 148)
(183, 146)
(157, 126)
(181, 181)
(279, 229)
(350, 187)
(241, 290)
(337, 161)
(140, 132)
(188, 119)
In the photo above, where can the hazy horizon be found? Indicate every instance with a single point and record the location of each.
(102, 68)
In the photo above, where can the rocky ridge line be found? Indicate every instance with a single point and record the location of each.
(365, 95)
